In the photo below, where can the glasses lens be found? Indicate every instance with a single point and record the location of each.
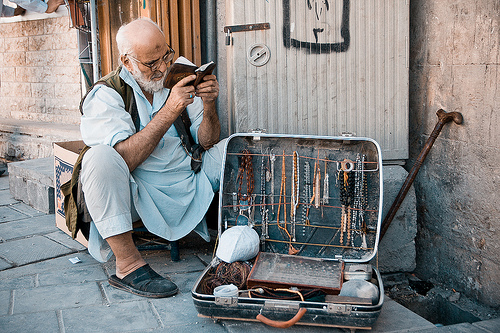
(166, 59)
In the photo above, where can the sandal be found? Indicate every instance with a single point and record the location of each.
(144, 281)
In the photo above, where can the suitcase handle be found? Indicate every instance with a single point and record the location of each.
(282, 324)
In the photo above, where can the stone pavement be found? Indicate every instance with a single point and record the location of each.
(41, 290)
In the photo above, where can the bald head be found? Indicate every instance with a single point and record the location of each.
(139, 36)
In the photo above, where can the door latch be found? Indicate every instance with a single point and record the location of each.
(228, 29)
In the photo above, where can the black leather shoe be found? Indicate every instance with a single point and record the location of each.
(144, 281)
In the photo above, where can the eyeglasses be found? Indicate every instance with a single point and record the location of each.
(155, 64)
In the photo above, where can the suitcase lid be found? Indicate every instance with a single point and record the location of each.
(312, 196)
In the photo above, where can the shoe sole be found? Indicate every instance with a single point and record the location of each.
(120, 285)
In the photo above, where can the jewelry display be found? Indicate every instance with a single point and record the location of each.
(343, 218)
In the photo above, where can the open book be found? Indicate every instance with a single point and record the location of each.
(182, 68)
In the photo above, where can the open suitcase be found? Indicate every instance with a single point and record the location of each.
(315, 203)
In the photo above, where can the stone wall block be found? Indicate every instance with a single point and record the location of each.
(30, 28)
(7, 74)
(64, 105)
(56, 25)
(42, 90)
(2, 44)
(16, 44)
(16, 89)
(65, 57)
(40, 196)
(41, 43)
(67, 74)
(65, 41)
(39, 58)
(70, 92)
(14, 59)
(28, 74)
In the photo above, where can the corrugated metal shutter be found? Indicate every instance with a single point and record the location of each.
(334, 66)
(179, 20)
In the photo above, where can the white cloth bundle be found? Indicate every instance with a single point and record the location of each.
(238, 243)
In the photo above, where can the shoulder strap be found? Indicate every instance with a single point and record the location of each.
(113, 80)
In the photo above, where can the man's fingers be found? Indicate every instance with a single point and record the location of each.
(185, 81)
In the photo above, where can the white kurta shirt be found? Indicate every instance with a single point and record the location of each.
(168, 196)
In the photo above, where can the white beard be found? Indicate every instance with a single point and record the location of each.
(150, 86)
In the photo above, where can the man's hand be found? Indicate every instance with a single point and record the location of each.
(181, 95)
(52, 5)
(208, 90)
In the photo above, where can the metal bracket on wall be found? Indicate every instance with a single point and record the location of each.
(228, 29)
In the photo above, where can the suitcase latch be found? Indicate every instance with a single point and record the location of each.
(339, 308)
(227, 301)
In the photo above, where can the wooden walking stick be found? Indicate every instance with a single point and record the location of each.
(443, 118)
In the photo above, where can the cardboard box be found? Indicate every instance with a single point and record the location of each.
(65, 156)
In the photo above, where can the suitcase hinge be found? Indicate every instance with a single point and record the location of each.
(227, 301)
(339, 308)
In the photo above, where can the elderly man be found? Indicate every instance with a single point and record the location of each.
(142, 170)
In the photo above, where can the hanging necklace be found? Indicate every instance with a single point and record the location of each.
(307, 194)
(326, 187)
(263, 208)
(272, 158)
(295, 192)
(345, 194)
(245, 170)
(291, 249)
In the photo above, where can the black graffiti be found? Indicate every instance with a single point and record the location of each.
(318, 47)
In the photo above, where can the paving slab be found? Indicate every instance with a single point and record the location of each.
(31, 226)
(32, 322)
(492, 325)
(4, 264)
(136, 316)
(185, 281)
(56, 297)
(33, 249)
(4, 302)
(66, 240)
(179, 310)
(7, 214)
(75, 274)
(26, 209)
(4, 181)
(6, 198)
(49, 265)
(26, 281)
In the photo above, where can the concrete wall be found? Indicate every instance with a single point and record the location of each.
(454, 64)
(39, 83)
